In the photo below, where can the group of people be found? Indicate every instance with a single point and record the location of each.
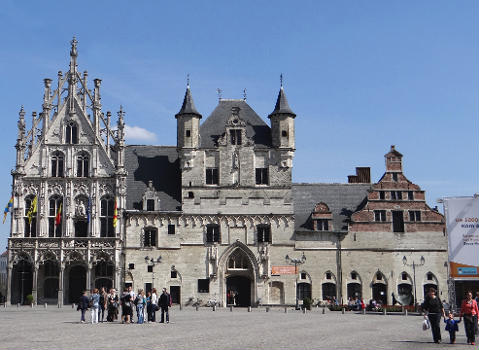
(356, 304)
(145, 304)
(469, 312)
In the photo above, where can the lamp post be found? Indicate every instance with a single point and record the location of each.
(413, 265)
(152, 262)
(296, 262)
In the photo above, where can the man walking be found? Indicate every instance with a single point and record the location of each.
(164, 302)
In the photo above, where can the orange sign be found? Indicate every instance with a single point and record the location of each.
(283, 270)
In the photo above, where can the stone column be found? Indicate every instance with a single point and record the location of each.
(35, 284)
(88, 277)
(60, 287)
(8, 301)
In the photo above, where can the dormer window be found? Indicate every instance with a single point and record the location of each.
(322, 225)
(235, 136)
(322, 218)
(150, 198)
(71, 133)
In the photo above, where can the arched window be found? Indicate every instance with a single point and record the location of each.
(238, 261)
(30, 217)
(57, 164)
(106, 217)
(83, 161)
(71, 133)
(55, 216)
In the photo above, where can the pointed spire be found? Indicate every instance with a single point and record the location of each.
(282, 106)
(73, 55)
(188, 106)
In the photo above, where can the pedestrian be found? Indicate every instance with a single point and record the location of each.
(126, 307)
(140, 306)
(95, 305)
(83, 306)
(103, 304)
(132, 299)
(434, 308)
(154, 304)
(164, 304)
(113, 303)
(469, 312)
(452, 327)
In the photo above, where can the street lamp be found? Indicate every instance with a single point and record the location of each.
(152, 262)
(296, 262)
(421, 263)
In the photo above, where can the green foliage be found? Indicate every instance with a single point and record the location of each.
(307, 302)
(29, 299)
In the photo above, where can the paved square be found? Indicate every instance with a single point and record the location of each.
(52, 328)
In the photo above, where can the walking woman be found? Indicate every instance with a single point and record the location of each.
(435, 310)
(469, 312)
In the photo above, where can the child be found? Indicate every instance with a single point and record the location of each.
(452, 327)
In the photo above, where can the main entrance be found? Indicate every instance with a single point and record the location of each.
(238, 291)
(76, 283)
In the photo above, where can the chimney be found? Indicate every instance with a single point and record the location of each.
(363, 176)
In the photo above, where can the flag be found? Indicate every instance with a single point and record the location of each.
(88, 210)
(115, 214)
(8, 209)
(32, 211)
(58, 218)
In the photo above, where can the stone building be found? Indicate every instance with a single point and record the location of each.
(214, 217)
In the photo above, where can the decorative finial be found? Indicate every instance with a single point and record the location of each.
(281, 80)
(219, 91)
(121, 113)
(22, 112)
(74, 43)
(188, 80)
(244, 94)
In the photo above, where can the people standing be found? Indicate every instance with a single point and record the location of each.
(140, 306)
(95, 305)
(433, 305)
(164, 304)
(469, 312)
(83, 306)
(126, 308)
(103, 304)
(112, 306)
(132, 299)
(452, 327)
(154, 304)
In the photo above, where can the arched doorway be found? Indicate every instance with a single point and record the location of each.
(104, 275)
(49, 272)
(354, 290)
(329, 291)
(405, 296)
(22, 282)
(76, 283)
(239, 290)
(380, 293)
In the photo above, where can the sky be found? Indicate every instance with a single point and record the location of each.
(360, 75)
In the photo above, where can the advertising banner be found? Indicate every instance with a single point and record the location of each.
(283, 270)
(462, 220)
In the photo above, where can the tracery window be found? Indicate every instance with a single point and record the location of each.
(107, 206)
(55, 216)
(83, 161)
(71, 133)
(57, 164)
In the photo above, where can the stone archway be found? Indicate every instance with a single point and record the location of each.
(22, 281)
(76, 282)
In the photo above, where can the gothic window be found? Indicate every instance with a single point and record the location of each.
(414, 215)
(57, 164)
(83, 161)
(71, 133)
(212, 233)
(55, 216)
(238, 261)
(380, 215)
(150, 237)
(235, 136)
(264, 233)
(104, 269)
(30, 217)
(212, 176)
(106, 217)
(262, 176)
(322, 225)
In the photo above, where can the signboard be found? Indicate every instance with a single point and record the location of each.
(462, 221)
(283, 270)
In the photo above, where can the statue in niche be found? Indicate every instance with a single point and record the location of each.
(80, 208)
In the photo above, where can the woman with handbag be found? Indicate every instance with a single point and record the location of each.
(469, 312)
(433, 305)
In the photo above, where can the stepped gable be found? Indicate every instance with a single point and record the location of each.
(159, 164)
(214, 126)
(342, 200)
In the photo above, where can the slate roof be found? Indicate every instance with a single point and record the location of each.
(282, 106)
(214, 126)
(188, 106)
(342, 200)
(159, 164)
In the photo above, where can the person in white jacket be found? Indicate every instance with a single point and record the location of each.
(154, 305)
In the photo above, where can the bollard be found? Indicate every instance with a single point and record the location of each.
(5, 305)
(324, 310)
(364, 311)
(18, 304)
(304, 310)
(249, 308)
(58, 305)
(197, 307)
(405, 312)
(181, 307)
(267, 308)
(31, 305)
(46, 305)
(342, 310)
(231, 308)
(285, 310)
(73, 305)
(214, 307)
(384, 311)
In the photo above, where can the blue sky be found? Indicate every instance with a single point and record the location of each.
(360, 75)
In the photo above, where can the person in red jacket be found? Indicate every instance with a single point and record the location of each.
(469, 312)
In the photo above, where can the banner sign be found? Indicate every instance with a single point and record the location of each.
(462, 220)
(283, 270)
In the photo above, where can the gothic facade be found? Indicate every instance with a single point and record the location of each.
(216, 215)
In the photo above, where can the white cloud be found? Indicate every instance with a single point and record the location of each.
(139, 134)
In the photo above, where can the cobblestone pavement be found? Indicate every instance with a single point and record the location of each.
(53, 328)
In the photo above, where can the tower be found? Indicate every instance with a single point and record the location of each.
(188, 123)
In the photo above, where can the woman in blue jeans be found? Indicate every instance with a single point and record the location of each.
(140, 306)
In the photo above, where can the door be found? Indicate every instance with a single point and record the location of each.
(175, 293)
(238, 291)
(76, 283)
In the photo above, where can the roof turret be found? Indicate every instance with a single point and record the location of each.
(188, 106)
